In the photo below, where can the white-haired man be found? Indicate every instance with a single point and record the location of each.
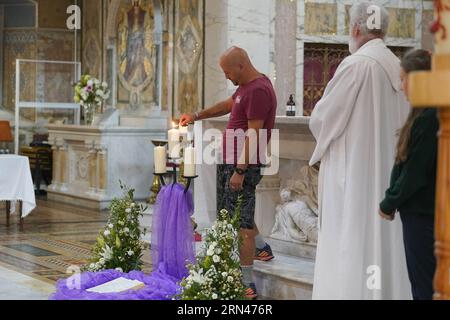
(359, 256)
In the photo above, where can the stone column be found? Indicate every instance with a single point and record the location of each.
(55, 167)
(285, 52)
(267, 196)
(250, 27)
(63, 167)
(216, 23)
(93, 177)
(101, 168)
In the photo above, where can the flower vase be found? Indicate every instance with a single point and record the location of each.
(89, 110)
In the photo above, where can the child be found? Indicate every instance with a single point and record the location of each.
(413, 184)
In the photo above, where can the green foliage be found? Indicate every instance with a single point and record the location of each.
(119, 245)
(217, 273)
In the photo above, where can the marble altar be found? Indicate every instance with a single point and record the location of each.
(89, 162)
(295, 148)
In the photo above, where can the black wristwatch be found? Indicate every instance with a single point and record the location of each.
(240, 171)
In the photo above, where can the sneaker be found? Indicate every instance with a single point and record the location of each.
(264, 254)
(250, 291)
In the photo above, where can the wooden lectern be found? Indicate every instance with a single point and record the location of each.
(432, 89)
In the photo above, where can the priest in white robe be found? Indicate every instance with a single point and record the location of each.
(359, 255)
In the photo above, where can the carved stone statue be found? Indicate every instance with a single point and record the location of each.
(296, 217)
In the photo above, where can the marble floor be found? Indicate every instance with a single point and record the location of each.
(55, 237)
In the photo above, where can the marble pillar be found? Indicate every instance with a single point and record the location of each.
(216, 24)
(205, 185)
(55, 165)
(249, 27)
(102, 177)
(285, 56)
(63, 167)
(92, 169)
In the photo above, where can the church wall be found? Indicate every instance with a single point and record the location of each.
(275, 32)
(326, 21)
(285, 41)
(188, 59)
(278, 34)
(92, 38)
(174, 82)
(216, 42)
(48, 40)
(52, 14)
(18, 44)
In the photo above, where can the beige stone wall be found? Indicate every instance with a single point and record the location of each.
(174, 82)
(188, 42)
(52, 13)
(92, 35)
(320, 18)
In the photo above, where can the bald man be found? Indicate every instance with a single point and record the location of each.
(253, 108)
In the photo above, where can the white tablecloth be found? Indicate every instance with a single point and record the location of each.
(16, 182)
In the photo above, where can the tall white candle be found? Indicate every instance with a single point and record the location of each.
(160, 159)
(190, 136)
(174, 143)
(183, 130)
(189, 161)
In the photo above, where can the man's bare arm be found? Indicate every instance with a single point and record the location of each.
(220, 109)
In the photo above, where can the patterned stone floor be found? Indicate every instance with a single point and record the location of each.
(55, 237)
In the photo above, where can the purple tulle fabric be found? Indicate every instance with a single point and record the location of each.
(172, 231)
(157, 287)
(172, 248)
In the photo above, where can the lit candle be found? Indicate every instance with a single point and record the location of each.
(184, 130)
(160, 160)
(189, 161)
(174, 143)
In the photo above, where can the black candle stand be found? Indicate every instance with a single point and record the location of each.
(188, 184)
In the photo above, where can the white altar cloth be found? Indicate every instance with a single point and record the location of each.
(16, 182)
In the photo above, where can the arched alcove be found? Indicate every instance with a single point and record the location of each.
(134, 57)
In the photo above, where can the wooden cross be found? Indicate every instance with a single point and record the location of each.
(432, 89)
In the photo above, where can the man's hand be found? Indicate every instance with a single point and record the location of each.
(236, 182)
(186, 119)
(388, 217)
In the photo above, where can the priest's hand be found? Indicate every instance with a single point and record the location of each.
(186, 118)
(236, 182)
(389, 217)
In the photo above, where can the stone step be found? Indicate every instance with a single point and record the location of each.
(301, 250)
(289, 276)
(284, 277)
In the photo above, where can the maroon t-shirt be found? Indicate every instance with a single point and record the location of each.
(254, 101)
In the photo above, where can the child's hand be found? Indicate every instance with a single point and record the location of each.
(388, 217)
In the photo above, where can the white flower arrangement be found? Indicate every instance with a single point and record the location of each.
(90, 93)
(90, 90)
(217, 274)
(119, 245)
